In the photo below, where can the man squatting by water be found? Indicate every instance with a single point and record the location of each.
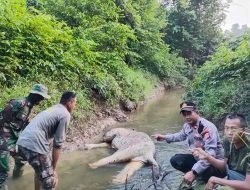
(237, 157)
(14, 117)
(200, 133)
(33, 143)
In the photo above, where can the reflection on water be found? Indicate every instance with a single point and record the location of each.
(158, 116)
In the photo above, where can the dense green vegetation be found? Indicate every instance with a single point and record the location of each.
(117, 50)
(222, 85)
(108, 50)
(194, 28)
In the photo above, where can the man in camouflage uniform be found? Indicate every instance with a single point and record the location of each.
(13, 119)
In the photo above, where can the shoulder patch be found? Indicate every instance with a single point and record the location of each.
(18, 103)
(206, 134)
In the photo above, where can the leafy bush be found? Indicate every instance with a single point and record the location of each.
(30, 44)
(23, 86)
(109, 50)
(222, 84)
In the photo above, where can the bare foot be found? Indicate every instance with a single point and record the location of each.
(81, 147)
(88, 146)
(92, 165)
(118, 181)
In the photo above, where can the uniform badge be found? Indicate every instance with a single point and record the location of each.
(206, 135)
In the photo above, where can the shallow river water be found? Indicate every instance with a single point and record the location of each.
(157, 116)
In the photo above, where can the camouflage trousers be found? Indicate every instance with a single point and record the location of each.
(7, 149)
(41, 164)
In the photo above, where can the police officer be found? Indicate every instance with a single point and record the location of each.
(200, 133)
(13, 119)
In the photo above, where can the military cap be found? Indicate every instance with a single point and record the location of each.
(41, 90)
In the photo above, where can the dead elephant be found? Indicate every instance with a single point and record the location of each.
(132, 146)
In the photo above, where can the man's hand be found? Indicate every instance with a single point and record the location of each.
(159, 137)
(55, 179)
(210, 183)
(12, 151)
(200, 153)
(189, 177)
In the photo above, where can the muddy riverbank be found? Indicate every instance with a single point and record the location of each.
(102, 119)
(158, 115)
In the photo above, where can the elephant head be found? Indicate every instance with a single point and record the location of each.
(111, 134)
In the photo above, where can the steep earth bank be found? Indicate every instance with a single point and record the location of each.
(104, 118)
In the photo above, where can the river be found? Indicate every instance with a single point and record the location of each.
(158, 116)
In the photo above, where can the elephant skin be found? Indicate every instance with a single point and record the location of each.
(134, 147)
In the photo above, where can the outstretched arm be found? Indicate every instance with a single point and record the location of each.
(55, 156)
(159, 137)
(176, 137)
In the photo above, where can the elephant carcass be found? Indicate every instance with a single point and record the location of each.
(132, 146)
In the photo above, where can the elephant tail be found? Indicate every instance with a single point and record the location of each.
(153, 162)
(156, 170)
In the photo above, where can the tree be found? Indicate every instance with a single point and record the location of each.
(193, 28)
(237, 31)
(222, 84)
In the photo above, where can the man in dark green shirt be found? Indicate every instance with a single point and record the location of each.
(238, 164)
(14, 117)
(237, 155)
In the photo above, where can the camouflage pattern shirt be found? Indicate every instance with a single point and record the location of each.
(14, 116)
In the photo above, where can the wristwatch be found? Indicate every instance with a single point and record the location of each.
(195, 173)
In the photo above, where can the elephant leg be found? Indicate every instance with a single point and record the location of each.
(119, 156)
(91, 146)
(127, 172)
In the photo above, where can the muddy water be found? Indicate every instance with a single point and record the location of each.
(158, 116)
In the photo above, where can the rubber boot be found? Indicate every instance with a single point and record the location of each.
(19, 168)
(17, 172)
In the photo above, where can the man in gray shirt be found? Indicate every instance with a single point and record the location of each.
(33, 143)
(200, 133)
